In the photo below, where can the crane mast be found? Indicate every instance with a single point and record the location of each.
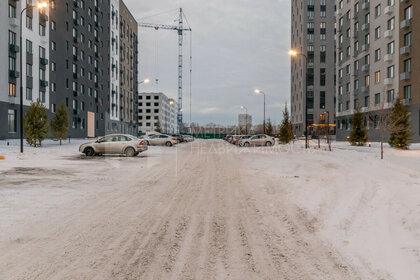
(180, 29)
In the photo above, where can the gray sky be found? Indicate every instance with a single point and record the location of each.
(238, 45)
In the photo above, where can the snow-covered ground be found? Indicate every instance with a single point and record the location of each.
(210, 210)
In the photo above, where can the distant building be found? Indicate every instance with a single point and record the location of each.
(156, 108)
(245, 122)
(312, 81)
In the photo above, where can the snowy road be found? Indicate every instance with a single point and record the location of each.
(201, 211)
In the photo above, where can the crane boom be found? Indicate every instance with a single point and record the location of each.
(180, 29)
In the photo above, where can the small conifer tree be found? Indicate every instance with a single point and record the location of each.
(358, 134)
(286, 128)
(35, 124)
(400, 127)
(59, 123)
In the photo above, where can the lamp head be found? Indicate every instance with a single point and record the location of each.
(293, 53)
(257, 91)
(41, 5)
(146, 81)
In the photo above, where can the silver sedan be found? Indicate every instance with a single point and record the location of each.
(114, 144)
(258, 140)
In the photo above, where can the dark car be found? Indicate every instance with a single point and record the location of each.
(179, 137)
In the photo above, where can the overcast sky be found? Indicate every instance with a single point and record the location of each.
(238, 45)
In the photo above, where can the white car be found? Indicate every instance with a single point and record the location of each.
(160, 140)
(114, 144)
(258, 140)
(188, 138)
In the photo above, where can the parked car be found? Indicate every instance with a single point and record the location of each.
(258, 140)
(179, 137)
(233, 139)
(114, 144)
(188, 138)
(237, 141)
(160, 140)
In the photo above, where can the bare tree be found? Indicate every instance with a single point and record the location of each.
(381, 119)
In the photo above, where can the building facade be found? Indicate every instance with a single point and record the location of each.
(313, 69)
(128, 58)
(35, 67)
(409, 61)
(374, 62)
(156, 109)
(83, 54)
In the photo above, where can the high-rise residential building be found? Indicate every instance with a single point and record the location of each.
(80, 53)
(156, 109)
(373, 62)
(35, 67)
(128, 58)
(409, 60)
(245, 122)
(313, 69)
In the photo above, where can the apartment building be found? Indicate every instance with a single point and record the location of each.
(409, 61)
(373, 61)
(313, 69)
(155, 109)
(128, 58)
(35, 62)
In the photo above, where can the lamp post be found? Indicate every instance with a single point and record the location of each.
(246, 119)
(294, 53)
(40, 5)
(258, 91)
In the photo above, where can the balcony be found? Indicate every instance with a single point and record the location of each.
(405, 50)
(355, 34)
(364, 89)
(43, 17)
(366, 6)
(405, 102)
(14, 22)
(405, 24)
(43, 61)
(339, 12)
(14, 48)
(355, 73)
(365, 47)
(388, 81)
(405, 76)
(14, 74)
(388, 34)
(355, 15)
(389, 10)
(388, 57)
(43, 83)
(365, 68)
(365, 26)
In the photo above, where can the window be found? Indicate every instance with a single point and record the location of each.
(12, 63)
(12, 11)
(12, 38)
(322, 100)
(28, 70)
(322, 77)
(391, 72)
(407, 65)
(390, 96)
(391, 48)
(377, 55)
(377, 32)
(377, 77)
(42, 96)
(408, 13)
(28, 94)
(407, 92)
(391, 24)
(29, 47)
(407, 39)
(12, 90)
(11, 121)
(377, 98)
(29, 22)
(367, 101)
(378, 10)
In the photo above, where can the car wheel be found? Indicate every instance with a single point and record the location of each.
(168, 144)
(246, 144)
(268, 144)
(147, 143)
(129, 152)
(89, 151)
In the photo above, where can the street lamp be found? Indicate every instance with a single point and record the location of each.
(258, 91)
(293, 54)
(246, 119)
(145, 81)
(40, 5)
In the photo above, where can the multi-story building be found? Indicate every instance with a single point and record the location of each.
(80, 61)
(35, 66)
(313, 69)
(128, 58)
(373, 62)
(409, 61)
(245, 122)
(156, 109)
(79, 53)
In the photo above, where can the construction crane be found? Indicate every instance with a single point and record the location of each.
(180, 29)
